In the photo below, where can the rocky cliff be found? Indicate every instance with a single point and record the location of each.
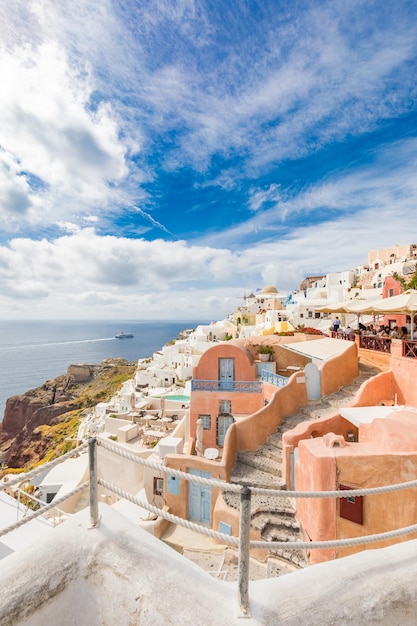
(45, 419)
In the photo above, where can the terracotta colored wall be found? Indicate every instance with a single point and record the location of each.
(377, 390)
(404, 370)
(178, 504)
(207, 368)
(248, 433)
(207, 403)
(394, 433)
(311, 429)
(219, 469)
(253, 431)
(340, 370)
(358, 466)
(381, 512)
(315, 470)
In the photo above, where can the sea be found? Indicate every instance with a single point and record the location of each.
(32, 352)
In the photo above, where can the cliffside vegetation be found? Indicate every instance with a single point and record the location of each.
(42, 424)
(406, 282)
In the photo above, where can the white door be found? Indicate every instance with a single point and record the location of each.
(312, 375)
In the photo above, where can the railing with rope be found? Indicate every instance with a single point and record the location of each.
(242, 542)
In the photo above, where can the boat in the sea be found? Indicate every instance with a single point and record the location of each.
(123, 335)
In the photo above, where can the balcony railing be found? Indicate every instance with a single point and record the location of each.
(373, 342)
(240, 386)
(410, 349)
(273, 379)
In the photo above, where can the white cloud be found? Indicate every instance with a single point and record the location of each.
(61, 155)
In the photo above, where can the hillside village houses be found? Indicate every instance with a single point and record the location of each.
(204, 401)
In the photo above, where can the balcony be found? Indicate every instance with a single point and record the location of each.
(237, 386)
(273, 379)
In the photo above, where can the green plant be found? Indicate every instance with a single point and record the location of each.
(265, 349)
(409, 283)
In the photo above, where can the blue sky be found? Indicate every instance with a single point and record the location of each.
(159, 159)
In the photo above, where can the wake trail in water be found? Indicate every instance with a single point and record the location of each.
(58, 343)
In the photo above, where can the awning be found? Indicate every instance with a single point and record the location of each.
(405, 303)
(349, 306)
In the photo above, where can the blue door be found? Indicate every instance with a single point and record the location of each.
(226, 373)
(199, 499)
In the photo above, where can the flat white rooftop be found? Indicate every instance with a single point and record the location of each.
(320, 349)
(366, 414)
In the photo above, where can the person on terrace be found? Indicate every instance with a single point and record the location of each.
(336, 324)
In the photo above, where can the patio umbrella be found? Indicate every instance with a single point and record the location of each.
(336, 307)
(361, 306)
(348, 306)
(404, 304)
(353, 306)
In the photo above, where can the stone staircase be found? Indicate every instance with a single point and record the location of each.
(275, 516)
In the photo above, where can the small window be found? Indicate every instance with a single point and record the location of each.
(225, 406)
(224, 528)
(173, 485)
(206, 421)
(390, 292)
(351, 508)
(158, 486)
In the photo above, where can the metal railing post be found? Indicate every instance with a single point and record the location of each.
(93, 484)
(244, 546)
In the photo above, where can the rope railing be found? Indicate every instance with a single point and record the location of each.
(34, 514)
(225, 486)
(208, 532)
(244, 545)
(211, 482)
(336, 543)
(41, 468)
(232, 540)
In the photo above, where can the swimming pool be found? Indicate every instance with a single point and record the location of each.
(179, 397)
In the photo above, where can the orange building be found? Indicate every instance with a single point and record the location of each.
(370, 444)
(234, 406)
(225, 387)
